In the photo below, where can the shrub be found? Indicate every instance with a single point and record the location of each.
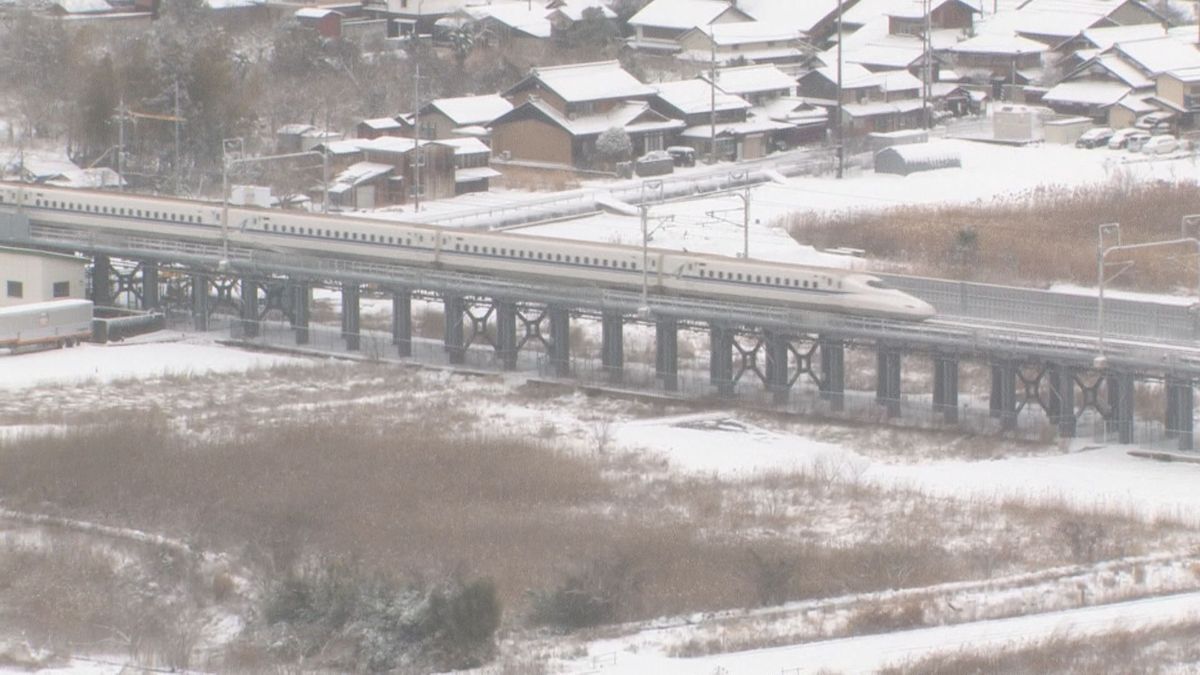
(588, 598)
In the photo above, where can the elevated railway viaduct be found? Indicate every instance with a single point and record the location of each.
(1040, 348)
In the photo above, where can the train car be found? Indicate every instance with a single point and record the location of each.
(54, 323)
(573, 262)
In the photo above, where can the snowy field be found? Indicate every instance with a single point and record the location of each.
(733, 447)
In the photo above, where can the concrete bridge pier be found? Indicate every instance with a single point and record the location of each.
(249, 308)
(721, 359)
(887, 379)
(1180, 407)
(666, 353)
(560, 341)
(402, 321)
(455, 307)
(102, 280)
(1062, 385)
(612, 345)
(150, 296)
(200, 301)
(351, 324)
(833, 372)
(777, 366)
(506, 333)
(945, 387)
(1003, 401)
(1120, 401)
(300, 305)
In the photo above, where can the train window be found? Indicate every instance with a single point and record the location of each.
(576, 260)
(739, 276)
(806, 283)
(839, 284)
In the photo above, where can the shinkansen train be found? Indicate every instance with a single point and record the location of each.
(571, 262)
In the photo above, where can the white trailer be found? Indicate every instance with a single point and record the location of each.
(55, 323)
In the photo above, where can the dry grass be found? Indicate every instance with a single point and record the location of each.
(1037, 237)
(1150, 650)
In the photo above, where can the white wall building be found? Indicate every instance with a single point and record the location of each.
(28, 276)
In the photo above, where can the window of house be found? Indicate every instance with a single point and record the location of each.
(62, 289)
(16, 289)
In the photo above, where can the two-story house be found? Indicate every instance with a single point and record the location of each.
(660, 24)
(461, 116)
(560, 111)
(752, 42)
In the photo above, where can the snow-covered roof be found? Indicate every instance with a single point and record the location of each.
(793, 14)
(1186, 74)
(752, 79)
(468, 110)
(624, 116)
(314, 13)
(361, 172)
(853, 75)
(382, 123)
(1120, 69)
(923, 153)
(998, 44)
(892, 55)
(679, 14)
(529, 18)
(896, 80)
(1158, 55)
(94, 178)
(1139, 105)
(791, 109)
(915, 9)
(475, 173)
(1057, 24)
(696, 96)
(83, 6)
(1098, 93)
(594, 81)
(881, 108)
(466, 146)
(751, 126)
(748, 32)
(398, 144)
(348, 147)
(1105, 37)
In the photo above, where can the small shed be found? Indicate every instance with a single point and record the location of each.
(1014, 123)
(1066, 131)
(37, 276)
(905, 159)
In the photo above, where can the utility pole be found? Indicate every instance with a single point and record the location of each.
(121, 112)
(926, 70)
(177, 168)
(712, 93)
(746, 222)
(417, 130)
(841, 150)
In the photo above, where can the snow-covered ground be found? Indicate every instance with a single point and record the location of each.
(160, 354)
(988, 172)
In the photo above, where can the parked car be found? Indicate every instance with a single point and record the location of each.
(1155, 123)
(1134, 142)
(1160, 145)
(683, 155)
(654, 163)
(1120, 138)
(1094, 138)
